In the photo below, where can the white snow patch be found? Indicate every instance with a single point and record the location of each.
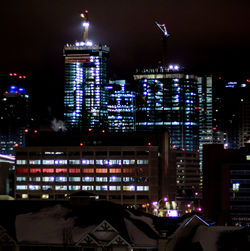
(48, 226)
(138, 237)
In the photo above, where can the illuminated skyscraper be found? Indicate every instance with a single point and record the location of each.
(168, 100)
(85, 78)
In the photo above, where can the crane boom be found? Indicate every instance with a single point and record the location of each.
(85, 24)
(163, 29)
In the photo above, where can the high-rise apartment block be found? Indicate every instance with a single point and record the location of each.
(168, 100)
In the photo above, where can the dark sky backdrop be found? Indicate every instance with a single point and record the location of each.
(211, 36)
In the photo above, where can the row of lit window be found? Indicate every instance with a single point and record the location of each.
(78, 179)
(77, 170)
(84, 162)
(96, 188)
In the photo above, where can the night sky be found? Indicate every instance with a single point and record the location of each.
(210, 36)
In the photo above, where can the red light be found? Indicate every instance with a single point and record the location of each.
(11, 74)
(6, 92)
(149, 144)
(35, 131)
(163, 24)
(26, 130)
(20, 76)
(90, 129)
(219, 77)
(198, 151)
(214, 128)
(174, 146)
(81, 144)
(103, 131)
(86, 11)
(183, 149)
(248, 80)
(16, 145)
(14, 74)
(197, 108)
(24, 76)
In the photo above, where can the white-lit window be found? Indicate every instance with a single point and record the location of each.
(47, 187)
(61, 187)
(35, 162)
(114, 179)
(20, 178)
(48, 179)
(88, 188)
(98, 188)
(129, 188)
(37, 179)
(74, 179)
(101, 179)
(142, 188)
(236, 187)
(128, 162)
(88, 179)
(88, 162)
(60, 162)
(34, 187)
(21, 187)
(248, 157)
(25, 196)
(99, 162)
(21, 162)
(114, 188)
(61, 179)
(48, 162)
(114, 162)
(128, 179)
(74, 188)
(45, 196)
(74, 161)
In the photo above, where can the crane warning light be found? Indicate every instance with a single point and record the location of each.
(11, 74)
(248, 80)
(90, 129)
(103, 131)
(81, 144)
(20, 76)
(14, 74)
(219, 77)
(35, 131)
(149, 144)
(214, 128)
(26, 130)
(86, 11)
(24, 76)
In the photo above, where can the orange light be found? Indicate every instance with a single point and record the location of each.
(16, 145)
(81, 144)
(86, 11)
(103, 131)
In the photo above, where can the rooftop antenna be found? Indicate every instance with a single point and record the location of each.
(163, 28)
(85, 24)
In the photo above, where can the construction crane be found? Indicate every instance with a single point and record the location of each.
(163, 28)
(85, 24)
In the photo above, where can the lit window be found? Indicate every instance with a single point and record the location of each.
(142, 188)
(142, 162)
(128, 162)
(61, 179)
(87, 187)
(35, 162)
(101, 170)
(21, 162)
(35, 170)
(47, 187)
(115, 170)
(25, 196)
(128, 179)
(75, 179)
(98, 188)
(88, 162)
(99, 162)
(22, 170)
(114, 179)
(74, 170)
(21, 187)
(48, 179)
(88, 179)
(20, 178)
(236, 187)
(129, 188)
(34, 187)
(74, 188)
(74, 161)
(101, 179)
(114, 188)
(45, 196)
(61, 170)
(88, 170)
(248, 157)
(128, 170)
(48, 162)
(37, 179)
(60, 162)
(48, 170)
(61, 187)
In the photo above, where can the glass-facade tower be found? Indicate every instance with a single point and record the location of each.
(84, 90)
(168, 100)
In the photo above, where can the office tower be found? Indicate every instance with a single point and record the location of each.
(168, 100)
(14, 117)
(121, 107)
(85, 78)
(129, 168)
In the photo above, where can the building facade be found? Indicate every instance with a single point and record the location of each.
(129, 174)
(168, 100)
(84, 89)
